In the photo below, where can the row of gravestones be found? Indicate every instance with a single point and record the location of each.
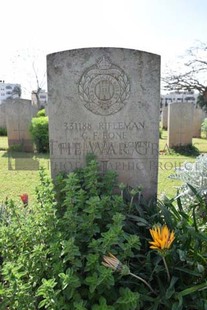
(183, 121)
(103, 101)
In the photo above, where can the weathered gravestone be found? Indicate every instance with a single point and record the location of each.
(105, 101)
(198, 117)
(2, 115)
(164, 117)
(180, 123)
(19, 113)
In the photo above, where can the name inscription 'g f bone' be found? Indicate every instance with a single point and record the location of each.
(104, 88)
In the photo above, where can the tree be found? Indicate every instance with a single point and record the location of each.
(36, 93)
(16, 92)
(33, 77)
(38, 89)
(202, 101)
(193, 74)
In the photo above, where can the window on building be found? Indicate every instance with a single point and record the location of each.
(8, 87)
(190, 98)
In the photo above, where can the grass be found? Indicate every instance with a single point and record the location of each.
(16, 181)
(18, 172)
(169, 160)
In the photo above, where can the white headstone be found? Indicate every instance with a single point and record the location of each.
(2, 115)
(105, 101)
(198, 117)
(19, 113)
(180, 123)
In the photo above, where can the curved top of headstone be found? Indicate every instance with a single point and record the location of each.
(102, 48)
(101, 68)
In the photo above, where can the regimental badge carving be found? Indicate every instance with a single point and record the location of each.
(104, 88)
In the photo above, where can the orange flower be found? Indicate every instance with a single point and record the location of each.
(162, 238)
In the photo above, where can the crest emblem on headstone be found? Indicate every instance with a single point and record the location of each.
(104, 88)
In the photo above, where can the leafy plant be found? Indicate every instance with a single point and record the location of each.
(180, 282)
(39, 131)
(55, 254)
(41, 113)
(194, 178)
(3, 131)
(56, 261)
(186, 150)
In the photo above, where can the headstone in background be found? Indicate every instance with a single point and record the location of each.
(198, 117)
(180, 123)
(105, 101)
(19, 113)
(2, 115)
(164, 117)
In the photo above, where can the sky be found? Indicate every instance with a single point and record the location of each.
(31, 29)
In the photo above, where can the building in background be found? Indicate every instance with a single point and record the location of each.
(179, 96)
(8, 90)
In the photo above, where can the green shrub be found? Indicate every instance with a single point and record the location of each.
(52, 252)
(55, 263)
(3, 132)
(194, 178)
(186, 150)
(40, 133)
(41, 113)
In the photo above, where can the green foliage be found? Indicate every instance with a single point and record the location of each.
(160, 133)
(186, 260)
(51, 253)
(41, 113)
(202, 101)
(18, 147)
(3, 132)
(186, 150)
(39, 132)
(204, 127)
(194, 179)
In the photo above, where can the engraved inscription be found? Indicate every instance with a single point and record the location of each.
(104, 149)
(104, 88)
(68, 165)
